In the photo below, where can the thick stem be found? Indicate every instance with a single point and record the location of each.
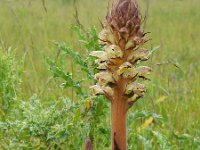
(118, 123)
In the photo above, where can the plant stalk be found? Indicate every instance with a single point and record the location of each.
(118, 121)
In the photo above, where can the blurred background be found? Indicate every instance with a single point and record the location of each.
(30, 26)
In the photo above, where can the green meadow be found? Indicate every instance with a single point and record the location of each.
(44, 115)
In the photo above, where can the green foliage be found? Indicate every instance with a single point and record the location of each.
(10, 78)
(59, 125)
(85, 65)
(64, 123)
(58, 72)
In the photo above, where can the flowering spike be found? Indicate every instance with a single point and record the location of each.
(122, 38)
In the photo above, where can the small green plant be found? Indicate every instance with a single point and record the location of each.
(10, 79)
(57, 126)
(83, 76)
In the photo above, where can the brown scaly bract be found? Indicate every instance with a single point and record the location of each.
(122, 38)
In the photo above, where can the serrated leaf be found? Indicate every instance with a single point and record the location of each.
(69, 82)
(74, 56)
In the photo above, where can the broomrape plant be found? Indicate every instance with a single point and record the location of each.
(117, 79)
(74, 118)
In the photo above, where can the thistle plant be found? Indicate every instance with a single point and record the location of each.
(117, 79)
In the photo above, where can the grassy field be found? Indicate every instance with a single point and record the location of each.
(173, 92)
